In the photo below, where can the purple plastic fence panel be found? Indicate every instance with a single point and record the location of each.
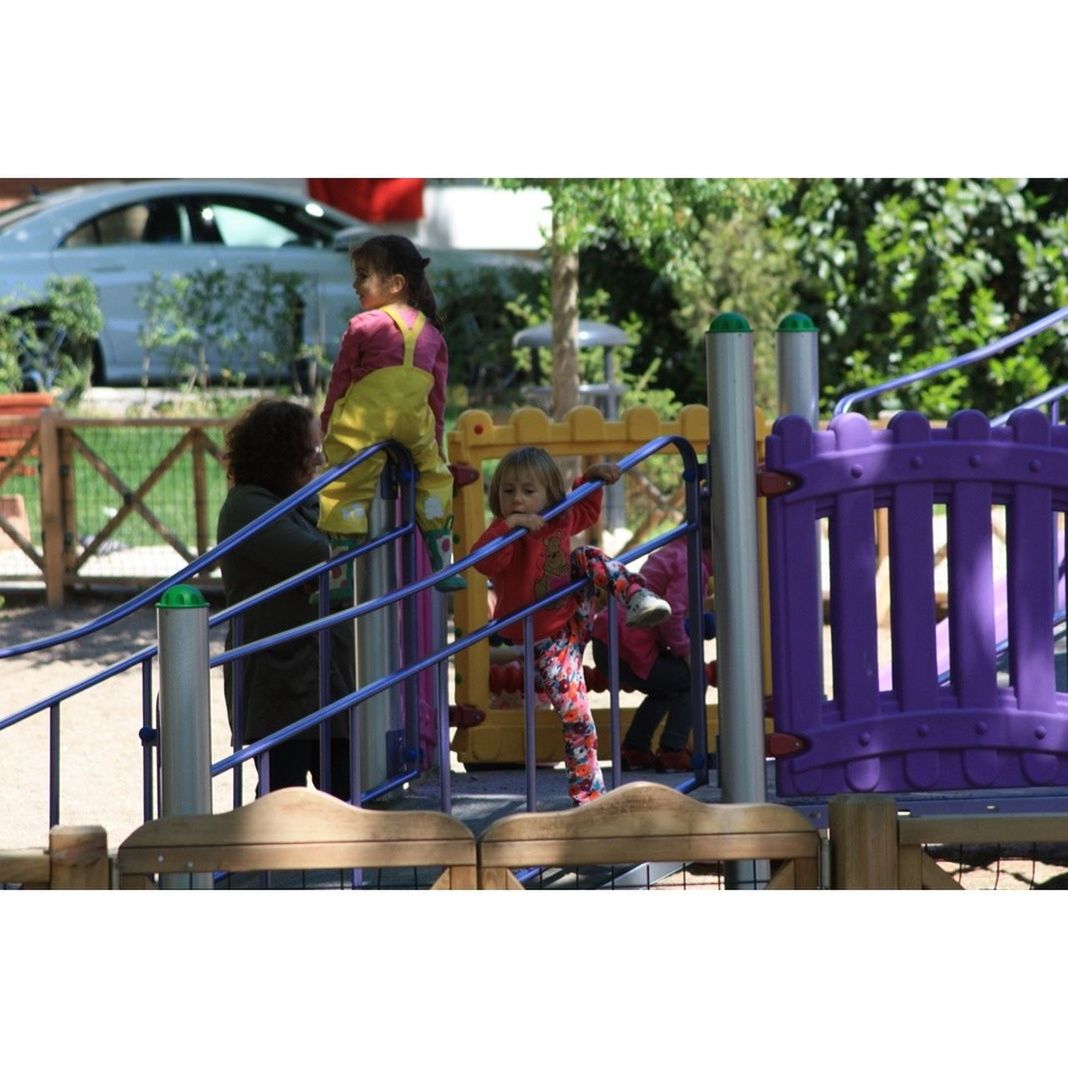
(917, 735)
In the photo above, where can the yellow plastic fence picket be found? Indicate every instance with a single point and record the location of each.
(585, 433)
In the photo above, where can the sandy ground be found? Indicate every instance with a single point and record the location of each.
(100, 751)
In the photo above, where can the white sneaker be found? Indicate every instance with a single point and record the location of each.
(645, 609)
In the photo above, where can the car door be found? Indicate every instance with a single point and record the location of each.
(119, 250)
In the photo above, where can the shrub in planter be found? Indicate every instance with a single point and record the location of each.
(49, 346)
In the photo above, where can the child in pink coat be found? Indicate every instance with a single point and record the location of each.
(656, 662)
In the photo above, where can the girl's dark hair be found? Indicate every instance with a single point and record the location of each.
(392, 254)
(528, 460)
(267, 445)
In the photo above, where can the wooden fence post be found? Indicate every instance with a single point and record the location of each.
(864, 842)
(51, 506)
(79, 857)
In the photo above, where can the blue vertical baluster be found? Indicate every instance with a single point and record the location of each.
(53, 765)
(148, 738)
(529, 709)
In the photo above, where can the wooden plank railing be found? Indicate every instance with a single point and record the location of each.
(76, 859)
(875, 848)
(645, 822)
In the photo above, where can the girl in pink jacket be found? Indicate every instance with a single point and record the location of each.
(656, 662)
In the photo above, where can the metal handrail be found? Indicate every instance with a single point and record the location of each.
(357, 697)
(362, 694)
(847, 402)
(1051, 397)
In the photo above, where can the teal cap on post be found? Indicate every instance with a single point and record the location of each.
(797, 323)
(730, 323)
(181, 596)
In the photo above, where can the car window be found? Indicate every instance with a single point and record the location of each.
(152, 222)
(250, 222)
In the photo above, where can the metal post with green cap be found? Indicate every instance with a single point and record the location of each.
(732, 431)
(797, 367)
(185, 712)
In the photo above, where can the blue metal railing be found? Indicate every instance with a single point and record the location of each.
(53, 702)
(316, 719)
(321, 718)
(847, 402)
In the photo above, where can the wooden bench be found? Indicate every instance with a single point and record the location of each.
(298, 829)
(645, 822)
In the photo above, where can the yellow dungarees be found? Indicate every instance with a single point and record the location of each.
(389, 403)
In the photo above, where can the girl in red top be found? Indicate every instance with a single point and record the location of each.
(526, 483)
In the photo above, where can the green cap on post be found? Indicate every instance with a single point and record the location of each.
(730, 323)
(797, 323)
(182, 597)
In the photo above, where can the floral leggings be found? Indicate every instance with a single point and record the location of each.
(558, 670)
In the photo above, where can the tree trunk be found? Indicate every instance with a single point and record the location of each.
(564, 302)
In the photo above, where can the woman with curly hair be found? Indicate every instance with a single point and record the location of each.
(272, 450)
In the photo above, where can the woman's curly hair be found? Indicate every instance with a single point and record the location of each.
(267, 445)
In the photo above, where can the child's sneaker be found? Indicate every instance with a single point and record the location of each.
(645, 609)
(674, 759)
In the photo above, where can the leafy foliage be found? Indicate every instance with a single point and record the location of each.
(250, 319)
(904, 273)
(657, 219)
(50, 345)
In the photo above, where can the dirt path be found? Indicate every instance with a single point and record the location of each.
(100, 752)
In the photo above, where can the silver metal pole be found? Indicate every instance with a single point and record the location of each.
(732, 431)
(441, 700)
(797, 359)
(185, 713)
(798, 371)
(377, 647)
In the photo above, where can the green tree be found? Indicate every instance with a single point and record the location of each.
(660, 220)
(903, 273)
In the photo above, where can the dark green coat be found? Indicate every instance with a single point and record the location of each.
(281, 683)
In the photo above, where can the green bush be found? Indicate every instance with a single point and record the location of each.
(250, 319)
(51, 344)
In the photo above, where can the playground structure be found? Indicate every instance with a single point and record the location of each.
(584, 433)
(982, 763)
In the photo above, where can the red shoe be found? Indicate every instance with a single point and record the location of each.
(635, 759)
(674, 759)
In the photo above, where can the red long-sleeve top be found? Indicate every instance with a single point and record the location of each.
(534, 565)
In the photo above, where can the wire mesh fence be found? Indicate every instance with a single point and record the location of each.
(129, 501)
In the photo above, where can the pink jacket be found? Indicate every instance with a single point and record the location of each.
(665, 574)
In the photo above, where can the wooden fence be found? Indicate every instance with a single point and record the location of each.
(168, 484)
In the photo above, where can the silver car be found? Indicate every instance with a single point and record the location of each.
(120, 235)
